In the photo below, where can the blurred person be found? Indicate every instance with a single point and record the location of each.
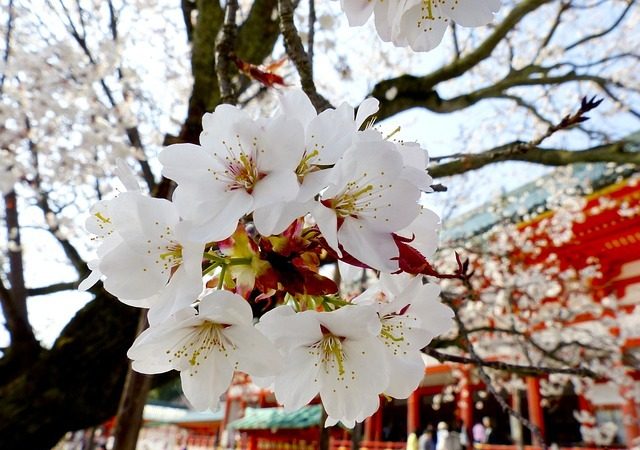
(426, 441)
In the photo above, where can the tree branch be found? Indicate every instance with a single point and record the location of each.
(508, 367)
(300, 58)
(416, 91)
(7, 48)
(619, 152)
(604, 32)
(535, 430)
(53, 288)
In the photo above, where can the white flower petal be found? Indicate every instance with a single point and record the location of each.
(275, 187)
(281, 146)
(256, 355)
(376, 249)
(353, 322)
(295, 103)
(297, 385)
(204, 385)
(405, 375)
(274, 219)
(328, 223)
(357, 11)
(471, 13)
(185, 162)
(422, 35)
(225, 307)
(424, 232)
(355, 393)
(366, 109)
(130, 275)
(286, 328)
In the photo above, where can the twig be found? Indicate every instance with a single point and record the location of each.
(312, 32)
(224, 49)
(7, 48)
(295, 50)
(508, 367)
(535, 430)
(568, 121)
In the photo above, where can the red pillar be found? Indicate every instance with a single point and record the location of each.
(465, 402)
(629, 417)
(253, 443)
(413, 413)
(377, 426)
(222, 431)
(536, 415)
(368, 428)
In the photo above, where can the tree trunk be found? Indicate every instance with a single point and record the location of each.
(132, 401)
(76, 384)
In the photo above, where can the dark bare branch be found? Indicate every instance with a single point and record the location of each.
(53, 288)
(300, 58)
(419, 91)
(604, 32)
(618, 152)
(7, 43)
(508, 367)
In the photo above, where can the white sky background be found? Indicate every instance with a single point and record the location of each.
(439, 134)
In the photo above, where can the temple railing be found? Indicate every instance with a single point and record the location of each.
(368, 445)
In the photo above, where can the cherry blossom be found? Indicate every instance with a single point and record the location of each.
(141, 254)
(367, 200)
(206, 347)
(411, 316)
(419, 24)
(336, 354)
(242, 165)
(326, 138)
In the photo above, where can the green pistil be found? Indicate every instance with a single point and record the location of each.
(102, 218)
(239, 261)
(303, 167)
(174, 254)
(332, 347)
(386, 333)
(345, 205)
(393, 133)
(429, 9)
(223, 273)
(221, 261)
(248, 176)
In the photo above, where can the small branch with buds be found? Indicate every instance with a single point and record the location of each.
(568, 121)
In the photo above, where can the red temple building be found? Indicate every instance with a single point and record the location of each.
(610, 233)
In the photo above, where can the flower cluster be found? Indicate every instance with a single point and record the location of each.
(419, 24)
(259, 206)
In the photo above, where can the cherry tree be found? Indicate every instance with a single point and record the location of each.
(95, 90)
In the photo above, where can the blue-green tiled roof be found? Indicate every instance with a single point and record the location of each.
(169, 414)
(277, 418)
